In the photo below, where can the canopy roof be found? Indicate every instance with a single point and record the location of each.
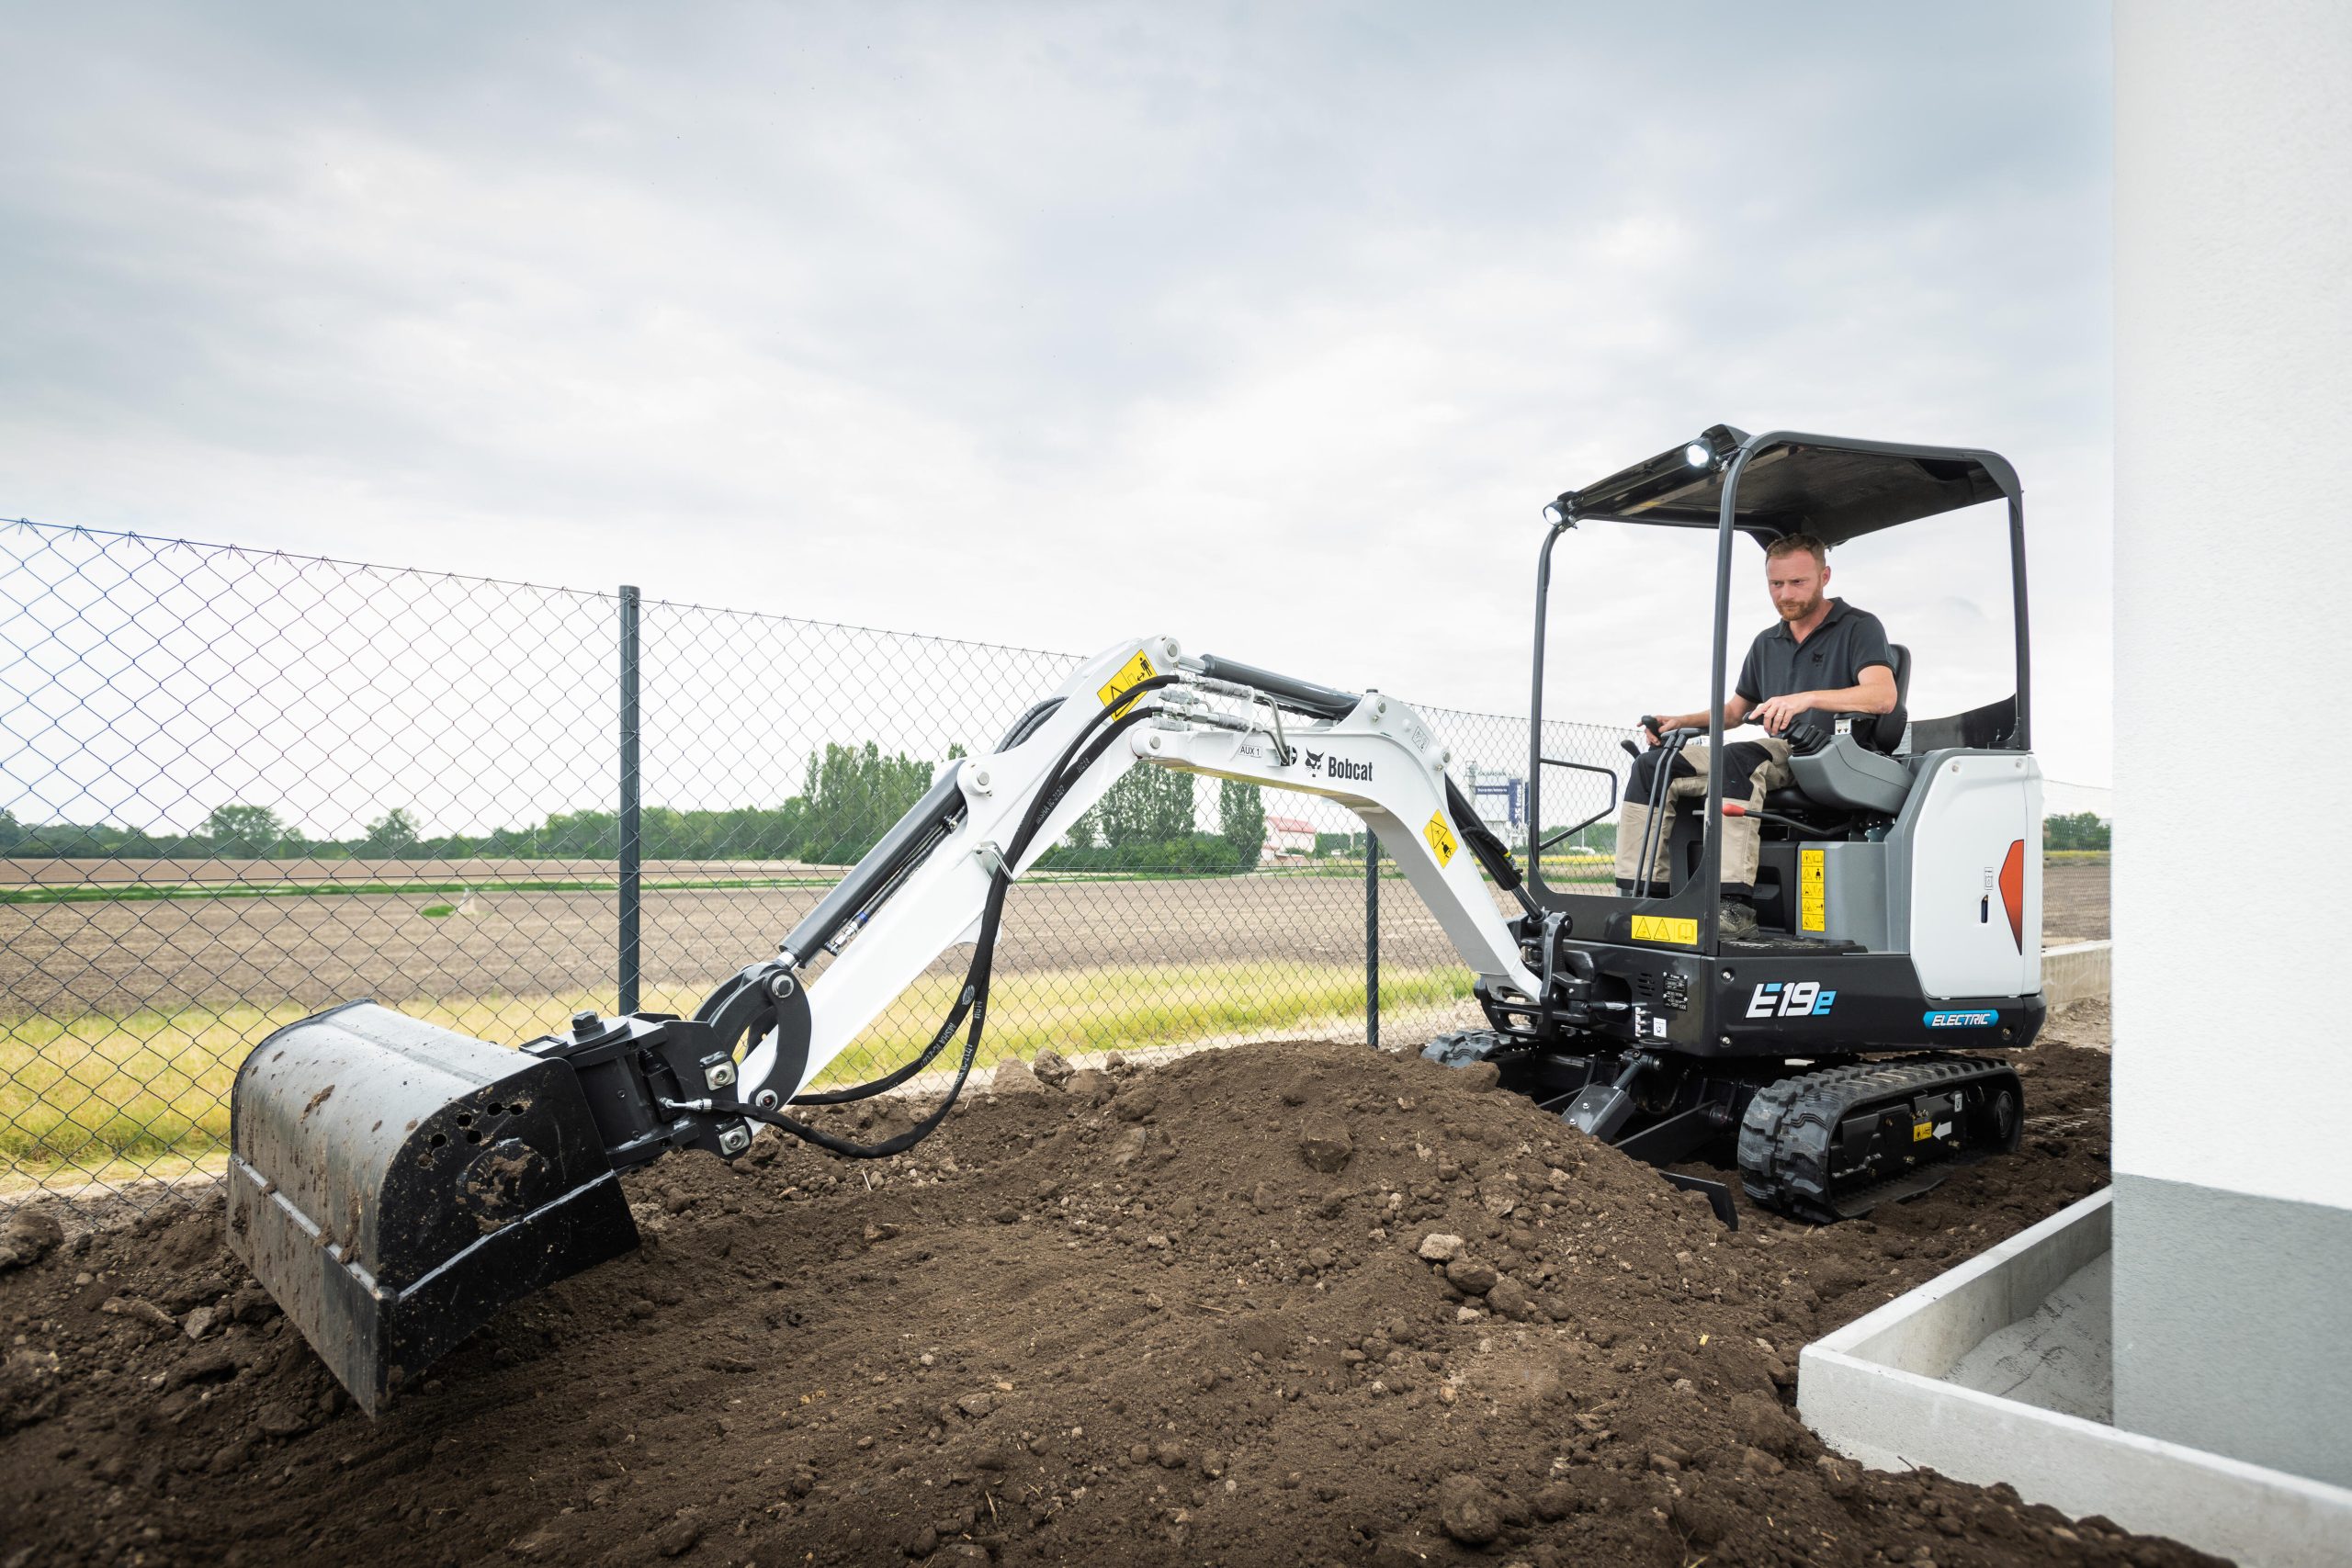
(1824, 485)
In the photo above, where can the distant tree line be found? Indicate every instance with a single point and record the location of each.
(1147, 822)
(849, 796)
(2080, 830)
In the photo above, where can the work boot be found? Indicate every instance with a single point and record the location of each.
(1736, 919)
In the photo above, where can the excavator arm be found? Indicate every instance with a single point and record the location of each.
(925, 887)
(393, 1184)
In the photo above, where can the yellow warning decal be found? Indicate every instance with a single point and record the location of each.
(1441, 838)
(1922, 1131)
(1813, 896)
(1133, 673)
(1666, 928)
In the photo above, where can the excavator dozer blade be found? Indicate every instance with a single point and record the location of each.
(393, 1184)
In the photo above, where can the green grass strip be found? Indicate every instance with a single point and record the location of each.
(101, 1097)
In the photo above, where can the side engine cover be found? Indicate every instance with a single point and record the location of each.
(1975, 895)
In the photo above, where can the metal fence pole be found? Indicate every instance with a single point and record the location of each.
(631, 843)
(1371, 938)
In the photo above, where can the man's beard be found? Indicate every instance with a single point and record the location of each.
(1793, 613)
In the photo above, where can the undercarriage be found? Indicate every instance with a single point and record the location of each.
(1822, 1140)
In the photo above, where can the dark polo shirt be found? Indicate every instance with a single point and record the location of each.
(1832, 658)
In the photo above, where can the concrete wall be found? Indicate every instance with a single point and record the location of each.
(2078, 972)
(2233, 590)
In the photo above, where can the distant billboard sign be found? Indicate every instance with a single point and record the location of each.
(1500, 800)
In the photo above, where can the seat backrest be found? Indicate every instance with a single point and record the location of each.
(1885, 732)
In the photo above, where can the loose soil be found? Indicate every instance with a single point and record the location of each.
(1180, 1315)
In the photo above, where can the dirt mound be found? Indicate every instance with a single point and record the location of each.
(1284, 1305)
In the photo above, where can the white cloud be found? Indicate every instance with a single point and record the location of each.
(1048, 324)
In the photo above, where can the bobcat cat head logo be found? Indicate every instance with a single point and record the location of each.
(1315, 758)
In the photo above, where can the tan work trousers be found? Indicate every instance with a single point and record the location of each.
(1751, 768)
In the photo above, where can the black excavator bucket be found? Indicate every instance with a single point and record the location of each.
(393, 1184)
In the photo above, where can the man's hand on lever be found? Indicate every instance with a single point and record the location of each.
(1775, 714)
(1736, 713)
(1873, 693)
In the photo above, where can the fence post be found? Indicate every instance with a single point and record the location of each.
(631, 845)
(1371, 937)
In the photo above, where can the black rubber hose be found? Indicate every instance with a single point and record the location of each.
(976, 988)
(1029, 723)
(976, 978)
(1058, 785)
(898, 1074)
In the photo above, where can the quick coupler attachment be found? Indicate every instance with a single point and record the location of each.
(392, 1184)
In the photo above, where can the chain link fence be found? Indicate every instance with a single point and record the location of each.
(238, 787)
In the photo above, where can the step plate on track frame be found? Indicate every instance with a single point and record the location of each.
(1834, 1144)
(392, 1184)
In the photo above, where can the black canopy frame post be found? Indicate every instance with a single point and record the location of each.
(2023, 737)
(1711, 834)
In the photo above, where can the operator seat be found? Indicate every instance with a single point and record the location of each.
(1852, 774)
(1833, 783)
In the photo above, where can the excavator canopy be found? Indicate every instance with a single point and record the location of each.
(1835, 489)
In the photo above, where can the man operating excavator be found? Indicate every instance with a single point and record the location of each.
(1823, 655)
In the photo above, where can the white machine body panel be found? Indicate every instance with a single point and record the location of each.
(1976, 877)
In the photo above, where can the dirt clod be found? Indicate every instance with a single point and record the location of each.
(677, 1538)
(1468, 1511)
(1471, 1277)
(30, 1234)
(1014, 1076)
(1327, 1145)
(283, 1418)
(1553, 1500)
(1509, 1297)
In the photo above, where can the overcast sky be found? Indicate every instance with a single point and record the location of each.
(1272, 327)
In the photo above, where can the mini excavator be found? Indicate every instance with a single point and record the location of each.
(394, 1183)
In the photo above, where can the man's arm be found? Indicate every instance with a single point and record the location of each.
(1873, 692)
(1736, 708)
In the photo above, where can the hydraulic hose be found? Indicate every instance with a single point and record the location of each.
(899, 1073)
(1029, 723)
(1084, 750)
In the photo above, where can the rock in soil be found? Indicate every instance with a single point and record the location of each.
(28, 1234)
(797, 1365)
(1013, 1076)
(1468, 1510)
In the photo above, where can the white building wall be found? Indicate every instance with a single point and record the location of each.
(2233, 619)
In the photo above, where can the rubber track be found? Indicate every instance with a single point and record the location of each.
(1485, 1046)
(1785, 1135)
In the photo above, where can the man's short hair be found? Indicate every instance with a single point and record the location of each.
(1790, 543)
